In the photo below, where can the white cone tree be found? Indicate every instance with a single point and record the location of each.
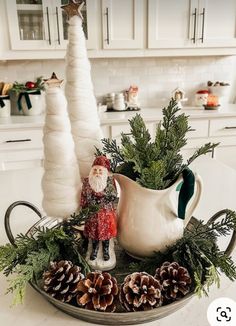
(61, 183)
(82, 106)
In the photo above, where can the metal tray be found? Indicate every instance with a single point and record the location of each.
(106, 318)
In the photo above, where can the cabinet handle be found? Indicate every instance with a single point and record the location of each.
(18, 140)
(192, 129)
(203, 24)
(49, 31)
(233, 127)
(213, 153)
(58, 30)
(108, 32)
(195, 25)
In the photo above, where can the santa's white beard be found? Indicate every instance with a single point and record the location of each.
(98, 182)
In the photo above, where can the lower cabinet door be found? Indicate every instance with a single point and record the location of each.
(226, 155)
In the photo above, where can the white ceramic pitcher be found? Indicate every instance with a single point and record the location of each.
(148, 219)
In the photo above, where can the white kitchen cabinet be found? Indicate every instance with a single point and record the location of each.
(226, 155)
(171, 23)
(217, 23)
(224, 131)
(122, 24)
(191, 24)
(21, 137)
(21, 146)
(42, 24)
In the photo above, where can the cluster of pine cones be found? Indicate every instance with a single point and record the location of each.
(99, 290)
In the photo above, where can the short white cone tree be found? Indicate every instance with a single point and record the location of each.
(82, 106)
(61, 183)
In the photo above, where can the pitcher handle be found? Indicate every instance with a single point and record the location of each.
(232, 242)
(8, 214)
(196, 199)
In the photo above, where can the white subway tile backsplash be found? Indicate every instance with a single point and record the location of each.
(156, 77)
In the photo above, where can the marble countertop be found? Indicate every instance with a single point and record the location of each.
(107, 118)
(36, 311)
(155, 114)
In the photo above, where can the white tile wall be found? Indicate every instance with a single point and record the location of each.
(156, 77)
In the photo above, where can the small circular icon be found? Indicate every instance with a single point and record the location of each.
(222, 311)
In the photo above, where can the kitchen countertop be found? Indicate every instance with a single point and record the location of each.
(36, 311)
(153, 114)
(107, 118)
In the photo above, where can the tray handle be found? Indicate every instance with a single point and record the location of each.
(232, 242)
(8, 214)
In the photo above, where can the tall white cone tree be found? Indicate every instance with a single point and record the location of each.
(61, 183)
(82, 106)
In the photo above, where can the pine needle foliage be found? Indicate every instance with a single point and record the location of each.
(153, 164)
(199, 253)
(30, 255)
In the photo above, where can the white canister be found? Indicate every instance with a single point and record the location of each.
(119, 103)
(27, 103)
(36, 103)
(5, 106)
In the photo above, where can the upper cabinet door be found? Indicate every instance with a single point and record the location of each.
(122, 24)
(89, 21)
(172, 24)
(43, 25)
(29, 24)
(217, 23)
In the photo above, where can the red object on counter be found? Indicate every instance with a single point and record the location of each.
(212, 100)
(203, 91)
(30, 84)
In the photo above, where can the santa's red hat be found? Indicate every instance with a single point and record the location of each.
(102, 161)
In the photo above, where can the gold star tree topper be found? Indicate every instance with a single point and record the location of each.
(53, 81)
(73, 8)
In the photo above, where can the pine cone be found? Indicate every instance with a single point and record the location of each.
(140, 291)
(175, 281)
(61, 280)
(97, 292)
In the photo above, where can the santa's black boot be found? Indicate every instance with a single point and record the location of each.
(105, 245)
(85, 244)
(94, 253)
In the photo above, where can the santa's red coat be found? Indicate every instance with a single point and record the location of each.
(102, 225)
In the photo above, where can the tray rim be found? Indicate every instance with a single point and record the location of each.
(124, 318)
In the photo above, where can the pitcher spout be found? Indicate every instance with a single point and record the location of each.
(126, 183)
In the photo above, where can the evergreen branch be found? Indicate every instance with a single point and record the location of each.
(205, 149)
(153, 175)
(112, 151)
(215, 229)
(31, 255)
(197, 251)
(137, 153)
(17, 286)
(77, 220)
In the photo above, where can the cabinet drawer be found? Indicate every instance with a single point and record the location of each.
(21, 139)
(118, 129)
(223, 127)
(22, 159)
(199, 128)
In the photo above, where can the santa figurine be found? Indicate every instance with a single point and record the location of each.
(100, 228)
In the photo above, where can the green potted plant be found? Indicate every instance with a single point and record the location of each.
(26, 97)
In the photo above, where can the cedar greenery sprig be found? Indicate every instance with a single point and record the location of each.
(28, 258)
(20, 87)
(76, 220)
(154, 165)
(199, 253)
(114, 151)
